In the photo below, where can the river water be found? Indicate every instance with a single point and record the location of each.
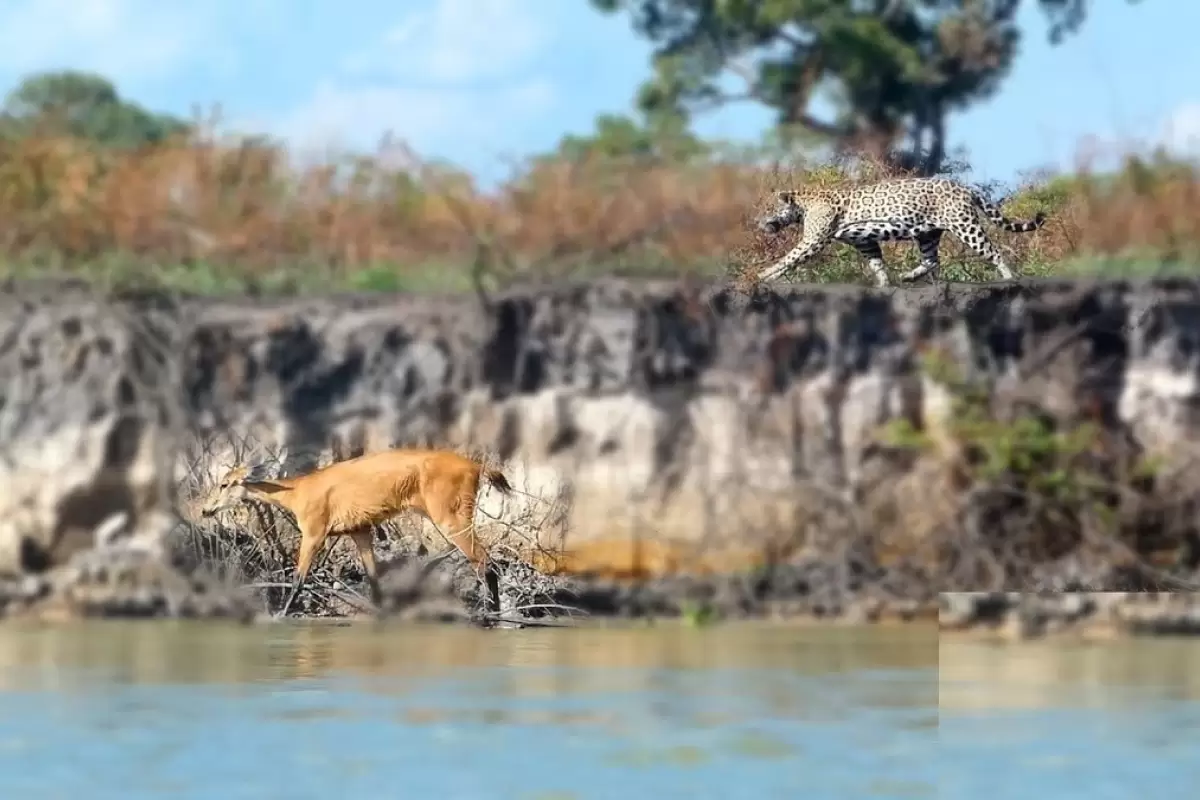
(115, 710)
(112, 710)
(1067, 720)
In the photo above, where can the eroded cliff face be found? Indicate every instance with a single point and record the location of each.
(715, 422)
(90, 410)
(691, 414)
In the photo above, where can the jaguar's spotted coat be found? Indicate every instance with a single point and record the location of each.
(903, 208)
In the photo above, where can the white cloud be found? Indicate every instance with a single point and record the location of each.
(128, 41)
(339, 115)
(454, 42)
(1180, 133)
(453, 76)
(446, 76)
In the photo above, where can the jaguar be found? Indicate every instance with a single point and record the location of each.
(898, 209)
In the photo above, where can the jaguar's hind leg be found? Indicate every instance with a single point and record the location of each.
(930, 264)
(976, 240)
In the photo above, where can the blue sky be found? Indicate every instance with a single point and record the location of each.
(480, 82)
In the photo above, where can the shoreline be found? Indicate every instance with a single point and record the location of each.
(1087, 616)
(125, 585)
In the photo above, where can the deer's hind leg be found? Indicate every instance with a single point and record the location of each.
(456, 522)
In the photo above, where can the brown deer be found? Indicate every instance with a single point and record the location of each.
(349, 497)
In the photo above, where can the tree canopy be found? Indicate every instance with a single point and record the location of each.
(664, 137)
(82, 104)
(891, 70)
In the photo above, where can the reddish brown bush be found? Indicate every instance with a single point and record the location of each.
(243, 207)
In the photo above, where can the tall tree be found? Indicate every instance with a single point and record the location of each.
(892, 70)
(664, 137)
(85, 105)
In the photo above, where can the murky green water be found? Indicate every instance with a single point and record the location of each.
(1070, 720)
(109, 710)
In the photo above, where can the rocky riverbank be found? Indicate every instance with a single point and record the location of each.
(802, 590)
(856, 447)
(118, 583)
(1016, 615)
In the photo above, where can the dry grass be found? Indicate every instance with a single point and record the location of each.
(216, 217)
